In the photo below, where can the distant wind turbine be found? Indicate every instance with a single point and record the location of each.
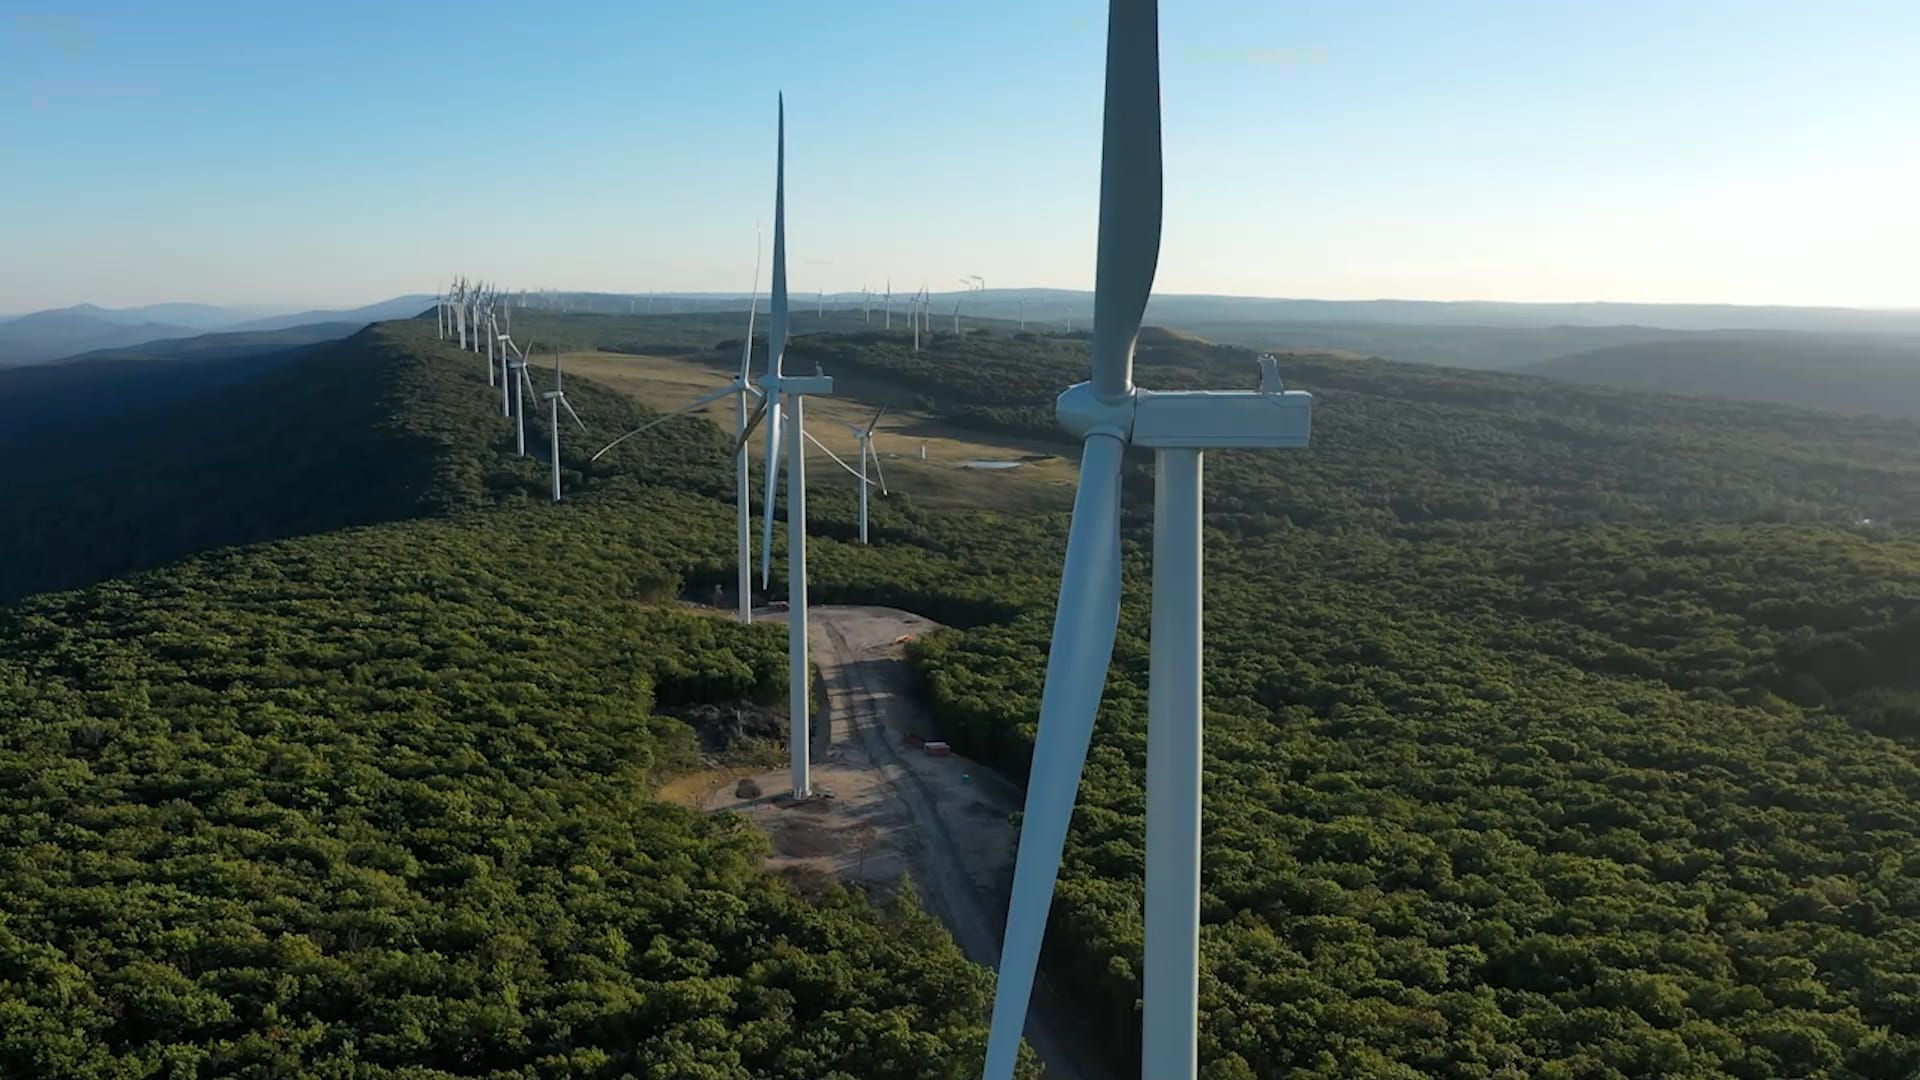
(517, 366)
(507, 383)
(865, 436)
(741, 386)
(557, 400)
(460, 317)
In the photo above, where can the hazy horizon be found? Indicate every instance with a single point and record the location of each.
(1493, 152)
(800, 298)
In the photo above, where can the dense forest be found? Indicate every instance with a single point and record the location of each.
(388, 424)
(376, 802)
(1553, 732)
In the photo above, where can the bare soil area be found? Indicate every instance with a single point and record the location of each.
(885, 812)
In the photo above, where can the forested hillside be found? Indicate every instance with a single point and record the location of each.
(1853, 373)
(377, 802)
(386, 425)
(1407, 446)
(1548, 727)
(1553, 732)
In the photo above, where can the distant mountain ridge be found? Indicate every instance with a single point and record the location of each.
(85, 391)
(200, 316)
(400, 307)
(58, 333)
(49, 335)
(1850, 373)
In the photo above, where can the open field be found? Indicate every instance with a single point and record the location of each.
(1044, 480)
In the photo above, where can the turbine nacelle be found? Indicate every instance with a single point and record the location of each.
(1191, 419)
(805, 385)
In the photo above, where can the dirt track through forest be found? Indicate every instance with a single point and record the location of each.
(943, 821)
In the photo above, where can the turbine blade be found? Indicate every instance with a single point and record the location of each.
(643, 428)
(758, 414)
(568, 405)
(1130, 192)
(877, 470)
(753, 308)
(1082, 648)
(876, 419)
(808, 435)
(773, 476)
(777, 323)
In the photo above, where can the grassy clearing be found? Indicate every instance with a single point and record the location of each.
(1044, 482)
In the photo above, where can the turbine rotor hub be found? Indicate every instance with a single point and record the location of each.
(1083, 412)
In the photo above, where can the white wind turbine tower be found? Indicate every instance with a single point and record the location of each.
(517, 365)
(774, 385)
(889, 304)
(508, 386)
(460, 315)
(865, 438)
(557, 400)
(742, 388)
(493, 328)
(1109, 413)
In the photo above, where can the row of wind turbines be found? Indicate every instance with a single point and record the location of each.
(473, 312)
(1108, 413)
(485, 310)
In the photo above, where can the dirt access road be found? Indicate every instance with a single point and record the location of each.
(896, 811)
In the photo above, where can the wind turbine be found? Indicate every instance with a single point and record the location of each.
(774, 385)
(460, 318)
(517, 365)
(865, 438)
(557, 400)
(889, 325)
(493, 331)
(506, 374)
(741, 386)
(1109, 413)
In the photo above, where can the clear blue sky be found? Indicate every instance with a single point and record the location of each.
(1753, 152)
